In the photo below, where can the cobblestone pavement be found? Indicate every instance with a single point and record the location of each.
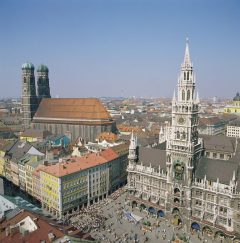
(115, 228)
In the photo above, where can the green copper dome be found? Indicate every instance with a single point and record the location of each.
(237, 97)
(42, 68)
(28, 65)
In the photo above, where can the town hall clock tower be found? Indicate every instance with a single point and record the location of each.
(183, 145)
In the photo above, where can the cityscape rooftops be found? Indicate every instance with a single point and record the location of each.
(75, 164)
(28, 227)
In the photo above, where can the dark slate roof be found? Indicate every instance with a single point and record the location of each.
(161, 146)
(213, 169)
(219, 143)
(152, 156)
(142, 141)
(36, 133)
(19, 149)
(7, 135)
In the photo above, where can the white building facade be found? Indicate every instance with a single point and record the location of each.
(233, 131)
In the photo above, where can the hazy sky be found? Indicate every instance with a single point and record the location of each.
(120, 47)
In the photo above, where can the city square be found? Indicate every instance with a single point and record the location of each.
(109, 221)
(120, 121)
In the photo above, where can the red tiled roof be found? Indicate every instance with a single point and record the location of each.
(75, 164)
(126, 128)
(44, 228)
(72, 108)
(209, 121)
(108, 136)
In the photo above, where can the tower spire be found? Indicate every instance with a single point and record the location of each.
(174, 96)
(187, 61)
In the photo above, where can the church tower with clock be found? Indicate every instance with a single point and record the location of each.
(183, 145)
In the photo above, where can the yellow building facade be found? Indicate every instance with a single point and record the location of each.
(234, 106)
(50, 193)
(3, 145)
(2, 163)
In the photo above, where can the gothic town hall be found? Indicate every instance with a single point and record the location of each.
(191, 180)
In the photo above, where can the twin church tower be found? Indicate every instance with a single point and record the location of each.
(30, 98)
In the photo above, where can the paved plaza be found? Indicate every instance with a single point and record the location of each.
(114, 220)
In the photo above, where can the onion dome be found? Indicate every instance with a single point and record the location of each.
(28, 66)
(42, 68)
(237, 97)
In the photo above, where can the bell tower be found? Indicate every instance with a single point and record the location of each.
(43, 82)
(183, 145)
(29, 98)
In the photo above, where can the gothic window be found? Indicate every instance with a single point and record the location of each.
(188, 95)
(183, 95)
(184, 76)
(178, 135)
(187, 75)
(184, 135)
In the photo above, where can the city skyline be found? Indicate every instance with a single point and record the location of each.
(120, 48)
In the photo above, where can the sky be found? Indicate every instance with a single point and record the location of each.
(126, 48)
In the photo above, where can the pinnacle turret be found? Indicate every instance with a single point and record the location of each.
(187, 61)
(133, 148)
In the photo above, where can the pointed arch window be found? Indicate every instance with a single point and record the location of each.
(184, 75)
(184, 135)
(188, 95)
(183, 95)
(187, 75)
(178, 135)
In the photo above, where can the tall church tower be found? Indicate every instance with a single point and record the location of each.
(43, 82)
(183, 145)
(29, 98)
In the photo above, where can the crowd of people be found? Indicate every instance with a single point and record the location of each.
(89, 218)
(106, 222)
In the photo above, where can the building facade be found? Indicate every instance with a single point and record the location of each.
(43, 82)
(233, 106)
(233, 131)
(29, 97)
(179, 181)
(76, 117)
(76, 182)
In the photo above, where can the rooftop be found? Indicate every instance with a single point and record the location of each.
(44, 232)
(81, 109)
(75, 164)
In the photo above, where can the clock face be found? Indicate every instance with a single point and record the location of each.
(181, 120)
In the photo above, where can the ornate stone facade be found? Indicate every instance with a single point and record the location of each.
(179, 181)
